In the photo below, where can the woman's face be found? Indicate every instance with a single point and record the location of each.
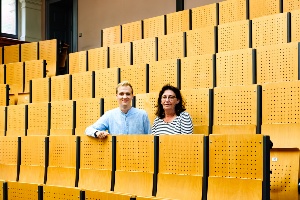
(169, 100)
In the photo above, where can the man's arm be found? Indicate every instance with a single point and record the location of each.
(97, 129)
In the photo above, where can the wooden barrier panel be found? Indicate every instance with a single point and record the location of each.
(148, 102)
(56, 192)
(62, 118)
(137, 76)
(178, 21)
(201, 41)
(144, 51)
(155, 26)
(270, 30)
(199, 106)
(40, 90)
(11, 54)
(276, 63)
(33, 69)
(290, 5)
(237, 109)
(48, 52)
(163, 72)
(15, 76)
(4, 94)
(96, 163)
(234, 36)
(259, 8)
(236, 67)
(132, 31)
(78, 62)
(205, 16)
(295, 22)
(134, 164)
(120, 55)
(83, 85)
(16, 120)
(18, 190)
(88, 111)
(111, 36)
(97, 58)
(280, 110)
(9, 147)
(197, 72)
(61, 87)
(106, 81)
(38, 119)
(29, 51)
(181, 163)
(171, 46)
(232, 11)
(285, 174)
(3, 120)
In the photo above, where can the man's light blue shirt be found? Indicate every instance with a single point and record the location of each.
(135, 121)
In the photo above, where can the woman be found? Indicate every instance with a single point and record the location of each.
(171, 116)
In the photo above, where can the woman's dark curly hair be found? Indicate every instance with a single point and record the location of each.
(180, 107)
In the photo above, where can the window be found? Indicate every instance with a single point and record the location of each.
(9, 18)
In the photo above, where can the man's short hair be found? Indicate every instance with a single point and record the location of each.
(124, 83)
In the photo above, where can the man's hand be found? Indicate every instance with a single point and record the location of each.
(101, 134)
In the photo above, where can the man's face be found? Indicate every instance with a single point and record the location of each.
(124, 95)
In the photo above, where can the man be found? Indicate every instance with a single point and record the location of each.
(122, 120)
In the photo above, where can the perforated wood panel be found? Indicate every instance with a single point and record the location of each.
(38, 114)
(269, 30)
(295, 22)
(97, 58)
(95, 153)
(106, 81)
(232, 11)
(77, 62)
(132, 31)
(88, 111)
(178, 21)
(120, 55)
(171, 46)
(62, 151)
(147, 102)
(235, 68)
(236, 156)
(281, 103)
(204, 16)
(201, 41)
(197, 105)
(110, 102)
(4, 94)
(161, 73)
(60, 87)
(276, 63)
(16, 120)
(18, 190)
(235, 105)
(9, 150)
(48, 52)
(2, 120)
(56, 192)
(62, 117)
(144, 51)
(136, 75)
(33, 69)
(14, 76)
(197, 72)
(2, 67)
(40, 90)
(234, 36)
(12, 54)
(181, 154)
(135, 153)
(285, 173)
(82, 85)
(111, 36)
(29, 51)
(290, 5)
(154, 27)
(259, 8)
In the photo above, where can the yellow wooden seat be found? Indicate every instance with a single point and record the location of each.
(120, 55)
(106, 81)
(16, 120)
(3, 120)
(78, 62)
(154, 26)
(178, 21)
(111, 36)
(132, 31)
(259, 8)
(48, 52)
(61, 87)
(144, 51)
(97, 58)
(4, 94)
(147, 102)
(83, 85)
(11, 54)
(38, 119)
(29, 51)
(204, 16)
(233, 10)
(40, 90)
(171, 46)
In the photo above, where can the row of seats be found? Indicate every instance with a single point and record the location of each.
(167, 166)
(270, 109)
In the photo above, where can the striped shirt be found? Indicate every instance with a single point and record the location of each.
(182, 124)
